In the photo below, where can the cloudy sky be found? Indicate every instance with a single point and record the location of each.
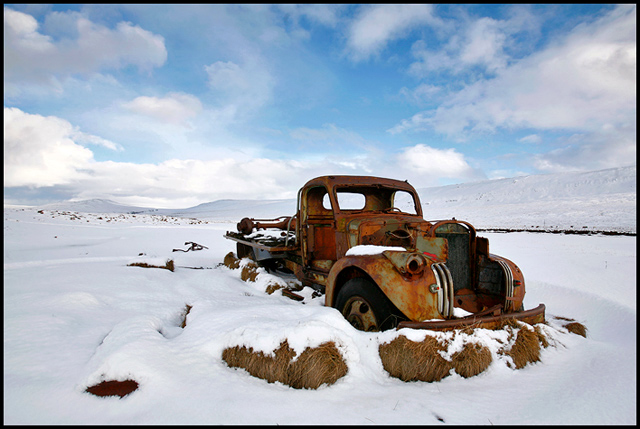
(176, 105)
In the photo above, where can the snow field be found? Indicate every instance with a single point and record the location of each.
(76, 314)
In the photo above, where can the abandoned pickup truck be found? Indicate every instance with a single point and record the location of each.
(363, 242)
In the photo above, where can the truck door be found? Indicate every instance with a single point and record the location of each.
(319, 230)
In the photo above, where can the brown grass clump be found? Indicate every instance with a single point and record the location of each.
(168, 266)
(526, 348)
(317, 366)
(184, 316)
(473, 359)
(231, 261)
(411, 361)
(541, 337)
(314, 367)
(249, 272)
(576, 328)
(113, 388)
(272, 287)
(573, 326)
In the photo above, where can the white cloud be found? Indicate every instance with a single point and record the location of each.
(44, 152)
(423, 93)
(39, 151)
(324, 14)
(377, 25)
(611, 148)
(531, 138)
(328, 134)
(84, 138)
(30, 56)
(482, 44)
(242, 89)
(228, 77)
(180, 183)
(429, 164)
(585, 82)
(485, 44)
(175, 108)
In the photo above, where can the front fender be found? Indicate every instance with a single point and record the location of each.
(411, 294)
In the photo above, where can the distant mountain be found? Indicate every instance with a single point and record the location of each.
(96, 206)
(234, 210)
(603, 200)
(535, 188)
(597, 200)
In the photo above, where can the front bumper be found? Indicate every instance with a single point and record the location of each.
(491, 318)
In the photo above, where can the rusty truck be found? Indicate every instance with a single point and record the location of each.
(362, 241)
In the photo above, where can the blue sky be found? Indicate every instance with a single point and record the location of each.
(176, 105)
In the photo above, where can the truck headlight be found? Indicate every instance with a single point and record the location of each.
(415, 264)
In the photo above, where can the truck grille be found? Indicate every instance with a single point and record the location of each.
(445, 288)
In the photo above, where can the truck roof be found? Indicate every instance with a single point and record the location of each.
(345, 180)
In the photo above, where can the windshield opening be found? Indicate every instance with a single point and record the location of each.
(373, 199)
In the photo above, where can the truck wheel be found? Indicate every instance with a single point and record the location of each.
(366, 307)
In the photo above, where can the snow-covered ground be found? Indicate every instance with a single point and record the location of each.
(76, 314)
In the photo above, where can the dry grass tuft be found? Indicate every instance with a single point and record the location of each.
(541, 337)
(526, 348)
(168, 266)
(249, 272)
(272, 287)
(411, 361)
(314, 367)
(231, 261)
(187, 309)
(317, 366)
(573, 326)
(577, 328)
(113, 388)
(473, 359)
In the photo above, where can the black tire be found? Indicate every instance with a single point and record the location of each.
(364, 305)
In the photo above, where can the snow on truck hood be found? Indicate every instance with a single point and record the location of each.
(367, 249)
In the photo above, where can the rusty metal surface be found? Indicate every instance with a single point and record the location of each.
(410, 293)
(515, 298)
(491, 321)
(247, 225)
(274, 249)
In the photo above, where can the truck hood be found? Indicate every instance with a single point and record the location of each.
(386, 230)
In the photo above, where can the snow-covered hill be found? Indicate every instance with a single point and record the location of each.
(603, 200)
(98, 205)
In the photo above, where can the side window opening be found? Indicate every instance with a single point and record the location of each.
(403, 200)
